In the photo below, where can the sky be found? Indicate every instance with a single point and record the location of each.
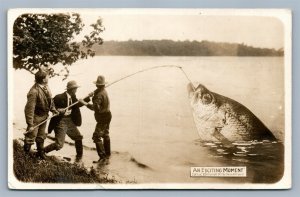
(255, 28)
(265, 28)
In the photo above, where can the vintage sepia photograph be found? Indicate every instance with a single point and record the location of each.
(149, 98)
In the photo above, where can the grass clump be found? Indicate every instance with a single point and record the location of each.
(27, 168)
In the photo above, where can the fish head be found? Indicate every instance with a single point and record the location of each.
(200, 95)
(205, 111)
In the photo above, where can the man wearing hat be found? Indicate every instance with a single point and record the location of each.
(39, 103)
(101, 107)
(67, 121)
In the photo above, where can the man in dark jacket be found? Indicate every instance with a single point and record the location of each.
(39, 103)
(67, 121)
(101, 106)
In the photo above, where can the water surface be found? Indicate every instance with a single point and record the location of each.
(154, 138)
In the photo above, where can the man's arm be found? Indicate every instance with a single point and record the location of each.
(30, 107)
(97, 103)
(82, 102)
(86, 100)
(88, 105)
(53, 108)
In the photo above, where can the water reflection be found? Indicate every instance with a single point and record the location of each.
(263, 159)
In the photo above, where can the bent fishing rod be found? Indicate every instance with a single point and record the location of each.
(116, 81)
(140, 71)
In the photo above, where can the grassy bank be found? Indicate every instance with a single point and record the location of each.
(27, 168)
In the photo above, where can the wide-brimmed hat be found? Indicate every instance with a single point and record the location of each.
(100, 80)
(72, 85)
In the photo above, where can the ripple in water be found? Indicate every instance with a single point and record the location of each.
(264, 159)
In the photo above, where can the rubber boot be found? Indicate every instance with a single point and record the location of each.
(106, 144)
(27, 148)
(40, 150)
(79, 150)
(100, 151)
(50, 147)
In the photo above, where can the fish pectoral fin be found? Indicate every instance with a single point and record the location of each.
(217, 131)
(219, 136)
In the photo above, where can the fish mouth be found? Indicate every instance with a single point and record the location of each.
(192, 93)
(190, 88)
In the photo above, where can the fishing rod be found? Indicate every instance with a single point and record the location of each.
(27, 131)
(144, 70)
(130, 75)
(54, 115)
(116, 81)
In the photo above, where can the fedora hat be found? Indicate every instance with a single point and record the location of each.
(100, 80)
(72, 85)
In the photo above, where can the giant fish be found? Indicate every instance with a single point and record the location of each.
(222, 119)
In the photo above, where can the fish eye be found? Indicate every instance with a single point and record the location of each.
(207, 98)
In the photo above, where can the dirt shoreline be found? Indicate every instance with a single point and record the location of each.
(66, 157)
(28, 168)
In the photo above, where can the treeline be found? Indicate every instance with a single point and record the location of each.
(181, 48)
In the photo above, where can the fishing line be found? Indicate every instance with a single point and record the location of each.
(187, 78)
(140, 71)
(125, 77)
(151, 68)
(155, 67)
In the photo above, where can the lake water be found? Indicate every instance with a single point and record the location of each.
(154, 138)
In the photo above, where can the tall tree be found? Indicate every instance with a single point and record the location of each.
(41, 40)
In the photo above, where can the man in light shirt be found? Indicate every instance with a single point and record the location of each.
(68, 121)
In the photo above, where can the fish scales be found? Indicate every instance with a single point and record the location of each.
(219, 118)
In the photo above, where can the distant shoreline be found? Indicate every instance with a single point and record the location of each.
(102, 55)
(181, 48)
